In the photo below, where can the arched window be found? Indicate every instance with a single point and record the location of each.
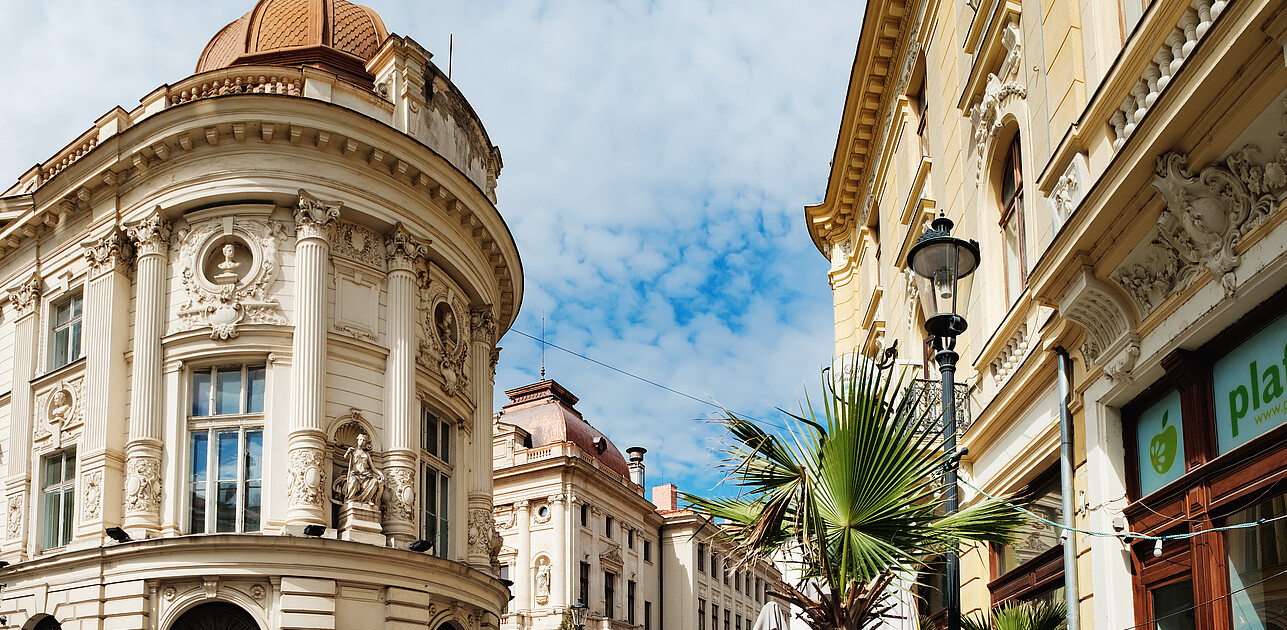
(215, 616)
(48, 623)
(1012, 223)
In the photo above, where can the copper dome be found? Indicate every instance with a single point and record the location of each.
(546, 410)
(336, 35)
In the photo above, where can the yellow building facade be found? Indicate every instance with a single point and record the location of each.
(1122, 167)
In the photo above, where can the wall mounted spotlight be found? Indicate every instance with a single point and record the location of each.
(118, 534)
(314, 530)
(420, 546)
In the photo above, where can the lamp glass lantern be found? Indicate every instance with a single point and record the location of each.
(944, 266)
(579, 610)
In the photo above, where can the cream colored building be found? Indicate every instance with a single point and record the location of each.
(263, 302)
(577, 528)
(1121, 165)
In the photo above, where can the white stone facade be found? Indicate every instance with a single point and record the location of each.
(208, 300)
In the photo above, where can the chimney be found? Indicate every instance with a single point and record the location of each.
(636, 454)
(666, 496)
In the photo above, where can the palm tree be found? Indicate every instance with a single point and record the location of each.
(849, 492)
(1021, 616)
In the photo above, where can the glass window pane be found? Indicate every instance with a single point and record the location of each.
(197, 516)
(253, 501)
(1258, 565)
(53, 470)
(445, 441)
(228, 444)
(228, 391)
(1034, 536)
(444, 513)
(255, 390)
(60, 347)
(254, 455)
(73, 350)
(69, 496)
(226, 507)
(1169, 601)
(75, 304)
(431, 434)
(201, 393)
(1013, 264)
(50, 506)
(69, 465)
(62, 313)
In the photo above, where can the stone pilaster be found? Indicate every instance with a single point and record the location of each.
(482, 341)
(306, 478)
(25, 301)
(99, 457)
(143, 479)
(404, 252)
(559, 556)
(524, 576)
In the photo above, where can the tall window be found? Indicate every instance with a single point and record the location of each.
(225, 449)
(584, 593)
(57, 496)
(1012, 223)
(728, 625)
(648, 615)
(585, 515)
(701, 614)
(64, 334)
(630, 539)
(437, 435)
(607, 526)
(701, 557)
(609, 593)
(647, 550)
(714, 617)
(738, 625)
(630, 602)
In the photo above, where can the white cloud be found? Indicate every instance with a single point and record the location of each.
(657, 158)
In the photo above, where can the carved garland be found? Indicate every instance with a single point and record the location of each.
(445, 347)
(143, 485)
(221, 294)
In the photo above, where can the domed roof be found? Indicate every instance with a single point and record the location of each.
(545, 409)
(333, 34)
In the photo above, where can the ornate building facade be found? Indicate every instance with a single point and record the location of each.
(249, 336)
(575, 527)
(1121, 166)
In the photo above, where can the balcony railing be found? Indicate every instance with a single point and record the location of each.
(929, 394)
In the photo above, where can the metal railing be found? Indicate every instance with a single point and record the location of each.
(929, 395)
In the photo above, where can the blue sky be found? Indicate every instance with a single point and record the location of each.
(657, 159)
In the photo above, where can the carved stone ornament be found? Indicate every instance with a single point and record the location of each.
(539, 518)
(542, 590)
(444, 349)
(480, 532)
(26, 295)
(314, 216)
(305, 477)
(611, 555)
(143, 485)
(228, 266)
(400, 493)
(506, 517)
(482, 325)
(14, 529)
(92, 499)
(1111, 338)
(111, 252)
(496, 545)
(151, 236)
(359, 244)
(1207, 214)
(59, 410)
(985, 117)
(1068, 191)
(257, 591)
(404, 250)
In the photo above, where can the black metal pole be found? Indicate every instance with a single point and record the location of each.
(946, 359)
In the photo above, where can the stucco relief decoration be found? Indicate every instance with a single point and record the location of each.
(612, 555)
(1067, 193)
(1111, 338)
(313, 217)
(480, 532)
(506, 516)
(143, 485)
(540, 519)
(59, 411)
(25, 296)
(496, 546)
(92, 499)
(14, 522)
(404, 250)
(542, 589)
(228, 267)
(1207, 214)
(400, 493)
(985, 117)
(445, 350)
(111, 252)
(359, 244)
(305, 477)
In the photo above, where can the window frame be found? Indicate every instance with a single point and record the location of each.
(75, 325)
(438, 442)
(60, 496)
(245, 421)
(1014, 209)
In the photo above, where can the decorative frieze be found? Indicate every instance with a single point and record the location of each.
(358, 244)
(1207, 214)
(228, 267)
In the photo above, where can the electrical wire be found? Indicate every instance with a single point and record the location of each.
(1209, 601)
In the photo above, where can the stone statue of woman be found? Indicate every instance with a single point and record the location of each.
(363, 483)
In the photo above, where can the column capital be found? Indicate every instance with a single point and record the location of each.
(26, 295)
(313, 216)
(522, 505)
(110, 252)
(557, 498)
(403, 250)
(151, 236)
(482, 324)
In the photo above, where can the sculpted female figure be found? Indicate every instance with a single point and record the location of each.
(363, 483)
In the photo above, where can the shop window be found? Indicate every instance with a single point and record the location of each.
(438, 435)
(1173, 606)
(1012, 233)
(57, 498)
(226, 449)
(1257, 561)
(64, 333)
(1034, 537)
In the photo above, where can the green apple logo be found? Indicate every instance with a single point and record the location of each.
(1161, 450)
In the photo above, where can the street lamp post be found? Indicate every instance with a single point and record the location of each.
(943, 264)
(578, 614)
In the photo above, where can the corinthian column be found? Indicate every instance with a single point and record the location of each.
(482, 327)
(151, 239)
(25, 299)
(306, 479)
(404, 252)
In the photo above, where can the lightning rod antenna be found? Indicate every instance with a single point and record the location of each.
(451, 45)
(542, 345)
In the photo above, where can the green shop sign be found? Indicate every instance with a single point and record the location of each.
(1248, 385)
(1160, 438)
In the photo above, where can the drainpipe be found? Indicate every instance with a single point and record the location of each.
(1066, 489)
